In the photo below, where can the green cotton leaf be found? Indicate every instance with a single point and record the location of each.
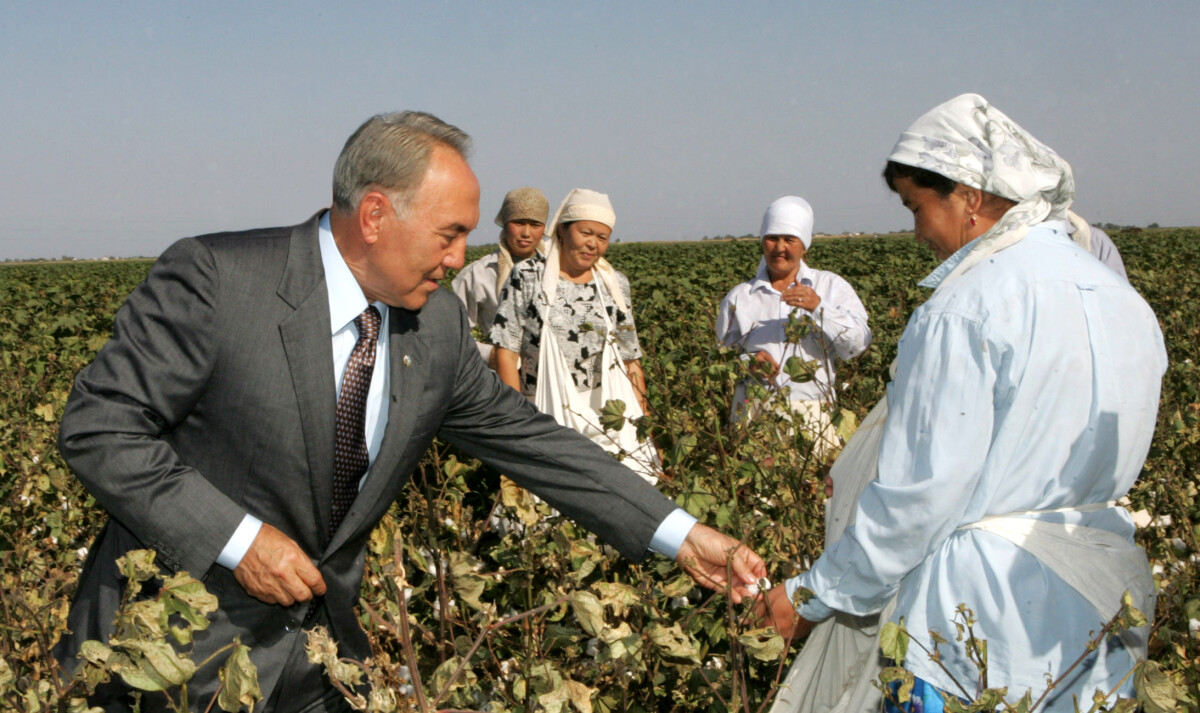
(589, 611)
(675, 643)
(46, 411)
(892, 674)
(799, 370)
(142, 620)
(697, 503)
(893, 641)
(612, 415)
(616, 596)
(580, 695)
(441, 677)
(678, 587)
(467, 583)
(846, 423)
(555, 699)
(239, 681)
(186, 596)
(151, 665)
(1131, 616)
(763, 644)
(137, 566)
(1156, 689)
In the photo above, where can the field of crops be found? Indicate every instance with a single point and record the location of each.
(477, 597)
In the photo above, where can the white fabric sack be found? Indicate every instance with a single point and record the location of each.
(840, 659)
(556, 395)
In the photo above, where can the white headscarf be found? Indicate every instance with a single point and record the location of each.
(970, 141)
(581, 204)
(790, 215)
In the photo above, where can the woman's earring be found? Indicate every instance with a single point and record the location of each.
(972, 219)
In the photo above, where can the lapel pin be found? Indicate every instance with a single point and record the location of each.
(407, 360)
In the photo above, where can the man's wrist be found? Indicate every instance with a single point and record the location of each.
(239, 544)
(671, 532)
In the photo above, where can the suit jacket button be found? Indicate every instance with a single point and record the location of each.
(291, 625)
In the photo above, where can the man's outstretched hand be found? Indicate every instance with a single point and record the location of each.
(705, 555)
(275, 570)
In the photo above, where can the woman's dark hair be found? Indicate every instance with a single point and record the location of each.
(923, 177)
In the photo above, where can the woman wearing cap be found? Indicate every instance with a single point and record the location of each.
(1022, 407)
(522, 221)
(590, 354)
(754, 315)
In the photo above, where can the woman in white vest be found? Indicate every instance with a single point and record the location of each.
(754, 316)
(590, 353)
(1023, 402)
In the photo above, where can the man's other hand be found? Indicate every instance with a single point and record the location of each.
(705, 555)
(275, 570)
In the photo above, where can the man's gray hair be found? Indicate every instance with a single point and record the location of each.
(390, 153)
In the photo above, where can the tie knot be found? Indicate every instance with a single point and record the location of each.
(368, 324)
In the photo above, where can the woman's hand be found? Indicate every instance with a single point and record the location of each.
(775, 609)
(765, 365)
(801, 296)
(638, 379)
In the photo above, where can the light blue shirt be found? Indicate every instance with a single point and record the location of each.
(346, 302)
(1031, 382)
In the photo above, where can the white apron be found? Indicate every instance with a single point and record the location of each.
(556, 395)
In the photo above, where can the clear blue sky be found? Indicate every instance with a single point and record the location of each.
(126, 125)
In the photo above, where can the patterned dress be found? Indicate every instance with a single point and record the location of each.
(574, 316)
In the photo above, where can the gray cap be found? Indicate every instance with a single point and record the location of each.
(523, 204)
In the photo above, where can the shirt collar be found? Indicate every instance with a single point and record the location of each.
(346, 299)
(762, 280)
(933, 279)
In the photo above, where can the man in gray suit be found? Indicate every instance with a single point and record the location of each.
(211, 426)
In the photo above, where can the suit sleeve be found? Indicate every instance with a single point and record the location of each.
(116, 427)
(494, 423)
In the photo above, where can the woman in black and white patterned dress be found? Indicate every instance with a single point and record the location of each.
(585, 304)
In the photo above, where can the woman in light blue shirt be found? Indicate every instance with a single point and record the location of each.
(1023, 404)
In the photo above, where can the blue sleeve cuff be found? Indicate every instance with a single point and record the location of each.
(671, 533)
(240, 543)
(813, 610)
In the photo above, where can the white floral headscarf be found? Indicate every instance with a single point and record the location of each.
(970, 141)
(581, 204)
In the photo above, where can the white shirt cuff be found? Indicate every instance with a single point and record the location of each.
(671, 533)
(240, 543)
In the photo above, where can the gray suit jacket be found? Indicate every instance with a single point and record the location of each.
(215, 397)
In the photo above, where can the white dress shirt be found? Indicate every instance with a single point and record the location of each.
(346, 302)
(1030, 383)
(475, 286)
(753, 316)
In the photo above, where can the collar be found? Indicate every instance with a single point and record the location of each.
(933, 279)
(762, 280)
(346, 299)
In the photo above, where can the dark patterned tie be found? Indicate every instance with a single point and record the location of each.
(350, 458)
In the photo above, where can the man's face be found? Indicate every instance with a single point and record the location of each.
(412, 253)
(521, 237)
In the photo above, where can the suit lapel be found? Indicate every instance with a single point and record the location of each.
(409, 362)
(308, 347)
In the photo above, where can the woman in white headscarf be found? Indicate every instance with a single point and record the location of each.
(1023, 402)
(590, 353)
(754, 316)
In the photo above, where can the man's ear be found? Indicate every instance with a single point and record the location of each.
(373, 209)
